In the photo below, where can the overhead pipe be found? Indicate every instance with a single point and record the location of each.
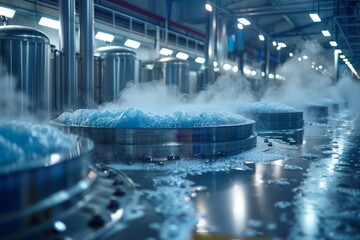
(86, 15)
(69, 86)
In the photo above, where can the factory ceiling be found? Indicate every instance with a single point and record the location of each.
(285, 21)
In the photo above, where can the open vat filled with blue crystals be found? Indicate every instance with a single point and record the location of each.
(133, 135)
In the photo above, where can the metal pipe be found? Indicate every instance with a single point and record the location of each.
(221, 41)
(86, 12)
(267, 57)
(210, 47)
(69, 90)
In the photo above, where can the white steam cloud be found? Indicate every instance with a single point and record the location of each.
(310, 79)
(14, 105)
(156, 98)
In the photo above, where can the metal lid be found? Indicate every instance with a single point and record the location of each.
(23, 33)
(113, 51)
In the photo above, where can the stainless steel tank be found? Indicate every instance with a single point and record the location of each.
(24, 54)
(118, 66)
(174, 72)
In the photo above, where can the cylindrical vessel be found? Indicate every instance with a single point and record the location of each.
(146, 71)
(118, 66)
(174, 72)
(24, 54)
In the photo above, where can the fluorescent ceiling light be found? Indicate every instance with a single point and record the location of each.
(240, 26)
(315, 17)
(271, 76)
(182, 55)
(200, 60)
(215, 64)
(326, 33)
(337, 51)
(305, 57)
(345, 60)
(208, 7)
(244, 21)
(227, 66)
(48, 22)
(235, 69)
(278, 48)
(132, 43)
(348, 63)
(291, 54)
(281, 44)
(342, 56)
(7, 12)
(261, 37)
(274, 43)
(333, 43)
(104, 37)
(166, 51)
(299, 59)
(253, 73)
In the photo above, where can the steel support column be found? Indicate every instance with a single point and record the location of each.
(69, 88)
(87, 52)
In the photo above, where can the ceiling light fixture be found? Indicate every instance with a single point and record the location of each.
(244, 21)
(240, 26)
(333, 43)
(200, 60)
(182, 55)
(261, 37)
(166, 51)
(208, 7)
(315, 17)
(48, 22)
(281, 44)
(291, 54)
(104, 37)
(132, 43)
(274, 43)
(342, 56)
(326, 33)
(7, 12)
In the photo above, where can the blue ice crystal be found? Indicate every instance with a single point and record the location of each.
(136, 118)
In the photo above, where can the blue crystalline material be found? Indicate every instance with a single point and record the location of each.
(136, 118)
(265, 107)
(20, 141)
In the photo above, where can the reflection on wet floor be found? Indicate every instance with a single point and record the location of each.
(307, 190)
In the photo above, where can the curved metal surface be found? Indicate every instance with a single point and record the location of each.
(174, 72)
(23, 33)
(141, 136)
(25, 56)
(168, 143)
(116, 66)
(23, 185)
(173, 151)
(277, 121)
(90, 209)
(113, 51)
(317, 112)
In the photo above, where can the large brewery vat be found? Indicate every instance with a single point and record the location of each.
(115, 68)
(24, 54)
(174, 72)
